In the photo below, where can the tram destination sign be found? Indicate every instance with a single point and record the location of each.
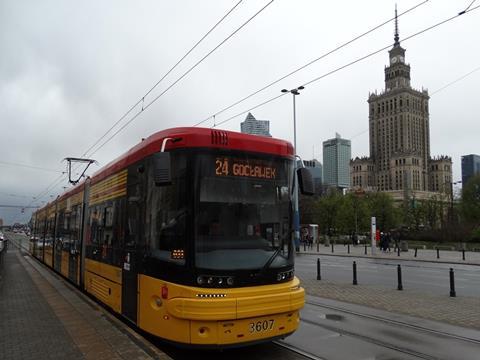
(226, 166)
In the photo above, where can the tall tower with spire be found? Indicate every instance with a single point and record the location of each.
(399, 130)
(398, 73)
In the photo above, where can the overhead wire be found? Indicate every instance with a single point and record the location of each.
(182, 76)
(455, 81)
(6, 163)
(310, 63)
(355, 61)
(142, 99)
(276, 97)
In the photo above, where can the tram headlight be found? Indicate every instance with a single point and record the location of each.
(215, 281)
(285, 275)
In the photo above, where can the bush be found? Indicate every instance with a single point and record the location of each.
(474, 235)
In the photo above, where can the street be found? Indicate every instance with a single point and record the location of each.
(416, 275)
(335, 330)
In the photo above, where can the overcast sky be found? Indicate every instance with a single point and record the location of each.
(70, 69)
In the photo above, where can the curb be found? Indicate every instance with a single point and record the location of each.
(388, 259)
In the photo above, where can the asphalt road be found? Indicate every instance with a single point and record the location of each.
(416, 275)
(335, 331)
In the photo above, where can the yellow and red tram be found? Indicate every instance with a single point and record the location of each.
(188, 235)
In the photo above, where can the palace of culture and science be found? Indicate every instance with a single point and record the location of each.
(399, 126)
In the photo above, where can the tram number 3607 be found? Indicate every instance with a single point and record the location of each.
(259, 326)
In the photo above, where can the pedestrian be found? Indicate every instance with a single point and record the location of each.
(387, 241)
(395, 241)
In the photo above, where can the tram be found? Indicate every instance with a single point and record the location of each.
(188, 236)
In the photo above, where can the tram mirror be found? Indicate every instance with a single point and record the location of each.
(305, 181)
(162, 174)
(282, 193)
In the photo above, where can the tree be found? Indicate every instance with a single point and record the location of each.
(328, 211)
(433, 210)
(354, 214)
(471, 201)
(381, 205)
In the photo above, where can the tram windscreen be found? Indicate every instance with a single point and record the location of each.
(243, 212)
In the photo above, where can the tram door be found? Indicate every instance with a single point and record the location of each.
(74, 253)
(133, 240)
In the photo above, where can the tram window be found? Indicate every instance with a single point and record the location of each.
(167, 214)
(95, 225)
(108, 216)
(108, 222)
(242, 221)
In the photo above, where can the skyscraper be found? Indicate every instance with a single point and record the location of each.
(336, 162)
(399, 126)
(255, 127)
(316, 169)
(470, 167)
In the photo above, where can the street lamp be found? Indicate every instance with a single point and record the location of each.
(452, 218)
(296, 216)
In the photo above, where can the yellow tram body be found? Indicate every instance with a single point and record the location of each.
(175, 276)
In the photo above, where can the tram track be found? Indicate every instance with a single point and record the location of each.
(298, 351)
(370, 338)
(394, 322)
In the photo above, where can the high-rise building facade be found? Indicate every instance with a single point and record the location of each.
(316, 169)
(399, 127)
(336, 162)
(470, 167)
(255, 127)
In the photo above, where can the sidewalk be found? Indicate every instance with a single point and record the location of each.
(43, 317)
(445, 256)
(461, 311)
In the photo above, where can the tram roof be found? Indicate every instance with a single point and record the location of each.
(193, 137)
(187, 137)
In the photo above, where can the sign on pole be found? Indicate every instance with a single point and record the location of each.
(374, 233)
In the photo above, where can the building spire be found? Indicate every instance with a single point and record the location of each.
(396, 37)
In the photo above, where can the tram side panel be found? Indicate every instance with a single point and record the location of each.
(68, 235)
(103, 240)
(48, 252)
(60, 233)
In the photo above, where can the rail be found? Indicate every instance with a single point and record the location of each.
(3, 250)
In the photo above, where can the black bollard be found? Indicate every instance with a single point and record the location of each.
(348, 249)
(355, 273)
(332, 248)
(463, 254)
(365, 249)
(399, 275)
(415, 252)
(452, 284)
(319, 276)
(398, 250)
(304, 246)
(318, 246)
(438, 253)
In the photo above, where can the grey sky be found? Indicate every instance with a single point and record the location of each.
(69, 70)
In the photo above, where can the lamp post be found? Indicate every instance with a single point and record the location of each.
(296, 215)
(452, 218)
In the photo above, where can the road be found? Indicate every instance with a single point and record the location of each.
(416, 275)
(333, 330)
